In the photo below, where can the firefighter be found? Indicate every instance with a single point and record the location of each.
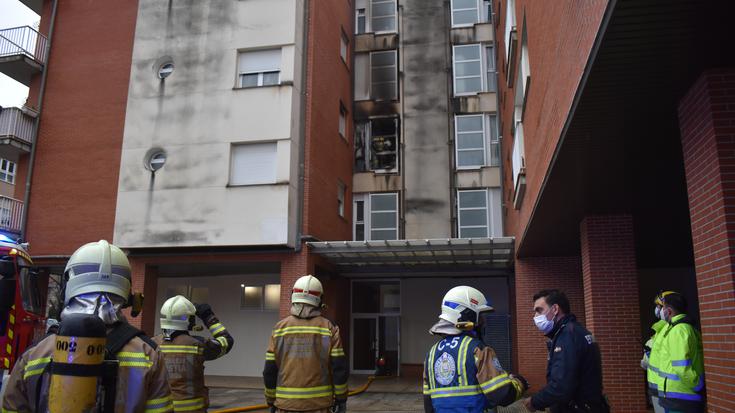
(656, 327)
(461, 373)
(97, 282)
(305, 364)
(184, 355)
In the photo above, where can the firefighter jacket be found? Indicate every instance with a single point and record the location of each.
(573, 372)
(142, 385)
(676, 366)
(305, 365)
(461, 374)
(184, 357)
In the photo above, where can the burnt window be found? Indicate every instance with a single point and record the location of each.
(376, 145)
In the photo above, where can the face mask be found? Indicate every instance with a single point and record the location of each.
(658, 312)
(663, 314)
(543, 324)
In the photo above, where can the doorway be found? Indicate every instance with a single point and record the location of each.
(376, 327)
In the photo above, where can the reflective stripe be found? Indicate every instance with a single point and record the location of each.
(161, 405)
(270, 392)
(672, 377)
(216, 328)
(700, 385)
(462, 364)
(495, 383)
(681, 363)
(426, 389)
(303, 392)
(432, 379)
(682, 396)
(457, 391)
(171, 348)
(301, 330)
(225, 345)
(269, 356)
(134, 359)
(337, 352)
(189, 405)
(35, 367)
(9, 411)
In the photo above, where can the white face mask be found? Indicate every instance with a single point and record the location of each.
(658, 312)
(662, 314)
(544, 324)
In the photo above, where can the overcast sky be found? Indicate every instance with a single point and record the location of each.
(13, 14)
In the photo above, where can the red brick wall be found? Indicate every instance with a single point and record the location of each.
(560, 37)
(78, 149)
(707, 122)
(328, 156)
(533, 275)
(612, 306)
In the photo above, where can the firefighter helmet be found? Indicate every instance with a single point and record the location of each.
(307, 290)
(97, 267)
(464, 303)
(660, 297)
(176, 313)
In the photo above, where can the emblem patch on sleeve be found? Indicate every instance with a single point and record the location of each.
(445, 369)
(590, 338)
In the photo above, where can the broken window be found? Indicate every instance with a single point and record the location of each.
(376, 145)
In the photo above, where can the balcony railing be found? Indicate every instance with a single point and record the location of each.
(23, 40)
(16, 125)
(11, 212)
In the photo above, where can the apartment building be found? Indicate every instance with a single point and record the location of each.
(230, 147)
(616, 119)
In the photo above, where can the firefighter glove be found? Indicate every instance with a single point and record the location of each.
(204, 311)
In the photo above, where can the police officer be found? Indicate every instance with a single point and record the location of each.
(461, 374)
(574, 370)
(97, 282)
(676, 364)
(305, 364)
(184, 355)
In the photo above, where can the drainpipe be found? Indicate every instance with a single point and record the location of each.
(36, 122)
(302, 130)
(453, 230)
(401, 119)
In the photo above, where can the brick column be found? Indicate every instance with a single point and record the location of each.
(612, 308)
(707, 123)
(293, 267)
(531, 276)
(145, 280)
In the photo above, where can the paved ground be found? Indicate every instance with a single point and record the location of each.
(371, 401)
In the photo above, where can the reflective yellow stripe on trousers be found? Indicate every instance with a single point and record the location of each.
(189, 405)
(303, 392)
(161, 405)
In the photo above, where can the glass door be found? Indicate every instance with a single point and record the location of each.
(375, 326)
(364, 344)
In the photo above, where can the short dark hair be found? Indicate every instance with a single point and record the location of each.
(676, 301)
(552, 297)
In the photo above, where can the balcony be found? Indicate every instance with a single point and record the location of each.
(23, 53)
(11, 214)
(35, 5)
(16, 132)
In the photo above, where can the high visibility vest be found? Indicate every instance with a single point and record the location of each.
(452, 375)
(676, 364)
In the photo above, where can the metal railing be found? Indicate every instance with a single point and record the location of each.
(15, 123)
(23, 40)
(11, 213)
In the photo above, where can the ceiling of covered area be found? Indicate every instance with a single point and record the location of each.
(621, 149)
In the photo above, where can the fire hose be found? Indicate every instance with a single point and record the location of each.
(350, 393)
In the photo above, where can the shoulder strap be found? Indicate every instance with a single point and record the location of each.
(120, 335)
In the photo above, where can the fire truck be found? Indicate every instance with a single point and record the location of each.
(22, 302)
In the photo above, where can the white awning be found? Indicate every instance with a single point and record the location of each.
(420, 256)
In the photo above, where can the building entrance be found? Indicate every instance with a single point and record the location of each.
(376, 311)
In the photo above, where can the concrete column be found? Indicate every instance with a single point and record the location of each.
(707, 123)
(612, 308)
(531, 276)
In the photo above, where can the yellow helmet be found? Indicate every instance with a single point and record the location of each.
(176, 313)
(660, 297)
(97, 267)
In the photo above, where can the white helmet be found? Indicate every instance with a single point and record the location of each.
(97, 267)
(464, 303)
(308, 290)
(176, 313)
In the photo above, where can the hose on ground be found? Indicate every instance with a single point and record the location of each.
(350, 393)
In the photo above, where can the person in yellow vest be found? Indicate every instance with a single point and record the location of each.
(305, 364)
(676, 364)
(656, 327)
(96, 283)
(184, 355)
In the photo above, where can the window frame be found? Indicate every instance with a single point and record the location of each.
(261, 73)
(477, 10)
(457, 149)
(480, 75)
(341, 196)
(8, 169)
(490, 69)
(367, 199)
(366, 127)
(487, 226)
(364, 16)
(233, 145)
(344, 47)
(263, 307)
(395, 71)
(371, 28)
(342, 126)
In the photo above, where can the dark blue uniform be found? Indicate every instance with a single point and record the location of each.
(574, 371)
(461, 375)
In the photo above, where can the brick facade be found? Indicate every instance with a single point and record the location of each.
(707, 122)
(612, 308)
(531, 276)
